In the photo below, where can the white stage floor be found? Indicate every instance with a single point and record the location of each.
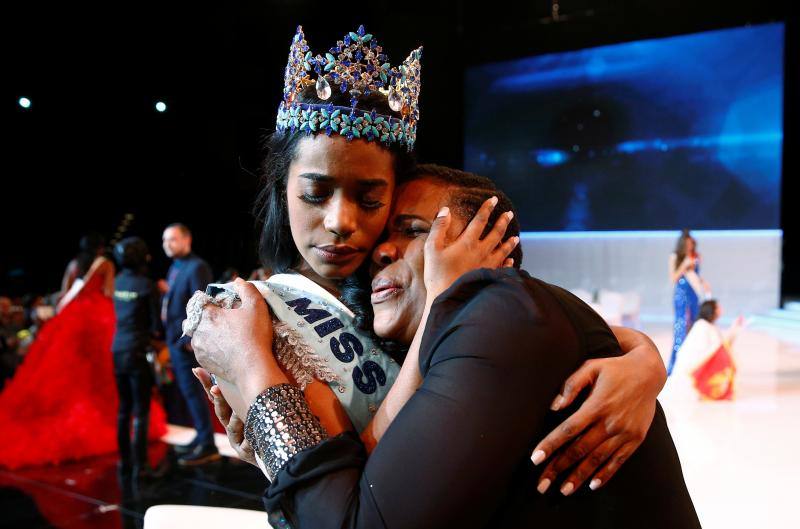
(740, 458)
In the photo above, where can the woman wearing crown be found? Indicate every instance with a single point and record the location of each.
(690, 289)
(342, 144)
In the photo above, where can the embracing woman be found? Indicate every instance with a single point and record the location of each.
(495, 346)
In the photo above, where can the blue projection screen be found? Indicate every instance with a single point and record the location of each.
(650, 135)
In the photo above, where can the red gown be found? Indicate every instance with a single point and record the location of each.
(62, 402)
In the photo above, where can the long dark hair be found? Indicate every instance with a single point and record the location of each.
(89, 247)
(276, 249)
(680, 247)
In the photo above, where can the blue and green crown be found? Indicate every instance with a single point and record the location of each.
(358, 66)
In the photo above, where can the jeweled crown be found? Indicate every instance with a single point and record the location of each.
(358, 66)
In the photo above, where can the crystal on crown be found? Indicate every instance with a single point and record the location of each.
(356, 66)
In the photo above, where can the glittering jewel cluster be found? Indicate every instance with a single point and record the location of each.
(358, 66)
(279, 425)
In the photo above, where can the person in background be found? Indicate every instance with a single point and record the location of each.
(684, 273)
(230, 274)
(136, 306)
(705, 361)
(260, 274)
(188, 274)
(91, 248)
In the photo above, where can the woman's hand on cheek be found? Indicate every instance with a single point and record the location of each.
(607, 428)
(236, 344)
(446, 260)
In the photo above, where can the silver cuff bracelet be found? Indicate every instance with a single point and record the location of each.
(279, 425)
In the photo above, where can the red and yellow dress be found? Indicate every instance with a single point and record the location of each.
(705, 362)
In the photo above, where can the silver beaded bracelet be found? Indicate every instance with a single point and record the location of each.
(280, 425)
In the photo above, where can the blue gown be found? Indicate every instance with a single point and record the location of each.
(687, 306)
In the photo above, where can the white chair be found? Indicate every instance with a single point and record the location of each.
(611, 304)
(631, 306)
(200, 517)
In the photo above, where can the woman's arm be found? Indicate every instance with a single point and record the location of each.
(675, 272)
(643, 354)
(613, 420)
(70, 274)
(109, 271)
(706, 288)
(408, 381)
(733, 331)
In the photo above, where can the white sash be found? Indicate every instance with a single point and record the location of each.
(327, 326)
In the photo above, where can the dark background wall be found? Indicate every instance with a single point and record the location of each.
(92, 148)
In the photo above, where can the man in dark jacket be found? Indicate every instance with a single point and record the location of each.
(187, 274)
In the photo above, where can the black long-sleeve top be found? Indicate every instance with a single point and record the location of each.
(496, 348)
(136, 309)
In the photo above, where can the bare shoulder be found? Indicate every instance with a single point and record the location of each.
(104, 264)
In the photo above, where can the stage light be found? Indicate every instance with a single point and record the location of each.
(161, 106)
(24, 102)
(550, 157)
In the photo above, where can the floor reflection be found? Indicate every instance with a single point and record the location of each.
(92, 494)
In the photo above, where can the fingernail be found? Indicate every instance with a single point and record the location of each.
(543, 486)
(194, 372)
(494, 201)
(516, 240)
(595, 484)
(443, 212)
(567, 489)
(538, 456)
(557, 403)
(510, 215)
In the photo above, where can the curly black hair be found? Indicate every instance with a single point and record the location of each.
(469, 192)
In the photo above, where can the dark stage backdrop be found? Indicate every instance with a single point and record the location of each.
(654, 134)
(91, 148)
